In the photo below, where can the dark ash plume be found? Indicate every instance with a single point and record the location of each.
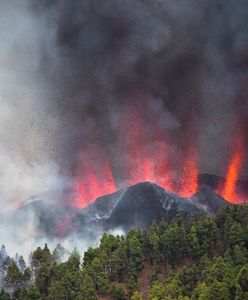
(188, 59)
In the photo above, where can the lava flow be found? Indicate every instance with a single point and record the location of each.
(229, 190)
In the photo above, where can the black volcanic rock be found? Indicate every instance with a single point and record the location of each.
(209, 201)
(139, 205)
(136, 207)
(133, 207)
(210, 180)
(214, 181)
(143, 203)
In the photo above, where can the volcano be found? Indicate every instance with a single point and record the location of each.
(134, 207)
(139, 205)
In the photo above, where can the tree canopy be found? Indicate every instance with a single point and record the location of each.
(185, 258)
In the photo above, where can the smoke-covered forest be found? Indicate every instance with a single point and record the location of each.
(186, 258)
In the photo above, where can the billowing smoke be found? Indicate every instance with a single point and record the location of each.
(28, 124)
(79, 78)
(181, 66)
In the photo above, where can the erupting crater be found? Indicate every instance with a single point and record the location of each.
(94, 184)
(147, 155)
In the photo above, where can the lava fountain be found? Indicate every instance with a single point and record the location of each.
(146, 155)
(229, 190)
(95, 179)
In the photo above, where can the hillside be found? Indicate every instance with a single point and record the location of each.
(135, 206)
(188, 257)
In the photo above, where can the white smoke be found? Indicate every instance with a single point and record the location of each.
(27, 124)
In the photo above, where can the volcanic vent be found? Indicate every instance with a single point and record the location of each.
(157, 162)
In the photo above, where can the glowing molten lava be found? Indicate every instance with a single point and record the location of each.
(94, 182)
(228, 191)
(149, 155)
(144, 156)
(146, 161)
(189, 180)
(143, 168)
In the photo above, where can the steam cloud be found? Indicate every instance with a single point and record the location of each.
(69, 71)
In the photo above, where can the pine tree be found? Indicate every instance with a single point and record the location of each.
(13, 276)
(117, 292)
(21, 264)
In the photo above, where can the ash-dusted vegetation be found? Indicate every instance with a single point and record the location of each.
(185, 258)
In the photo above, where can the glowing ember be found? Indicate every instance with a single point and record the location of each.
(228, 191)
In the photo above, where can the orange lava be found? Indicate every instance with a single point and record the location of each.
(189, 181)
(95, 182)
(145, 150)
(228, 191)
(145, 154)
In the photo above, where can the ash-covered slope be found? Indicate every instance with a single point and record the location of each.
(133, 207)
(139, 205)
(209, 201)
(214, 181)
(136, 207)
(42, 216)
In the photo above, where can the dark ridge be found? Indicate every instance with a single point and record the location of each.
(136, 206)
(207, 198)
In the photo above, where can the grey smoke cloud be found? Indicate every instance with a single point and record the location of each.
(191, 55)
(27, 121)
(68, 71)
